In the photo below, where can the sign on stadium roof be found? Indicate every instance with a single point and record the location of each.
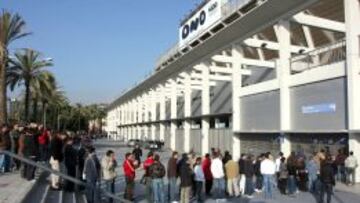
(201, 21)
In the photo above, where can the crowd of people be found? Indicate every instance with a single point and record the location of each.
(189, 177)
(218, 176)
(69, 153)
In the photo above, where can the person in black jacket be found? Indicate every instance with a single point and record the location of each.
(249, 173)
(186, 182)
(137, 152)
(56, 149)
(70, 155)
(327, 178)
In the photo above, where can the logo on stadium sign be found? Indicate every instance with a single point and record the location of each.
(200, 22)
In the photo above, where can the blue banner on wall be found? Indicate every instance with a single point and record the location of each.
(319, 108)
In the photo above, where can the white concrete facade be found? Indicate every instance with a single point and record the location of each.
(297, 58)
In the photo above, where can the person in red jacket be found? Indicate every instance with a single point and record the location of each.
(129, 167)
(206, 165)
(147, 179)
(43, 141)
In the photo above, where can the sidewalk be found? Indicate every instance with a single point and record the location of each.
(13, 188)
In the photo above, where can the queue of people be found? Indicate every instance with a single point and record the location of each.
(192, 178)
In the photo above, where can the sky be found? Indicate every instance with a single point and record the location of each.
(99, 47)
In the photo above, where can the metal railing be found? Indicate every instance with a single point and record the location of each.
(319, 57)
(76, 181)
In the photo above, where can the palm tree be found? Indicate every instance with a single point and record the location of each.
(42, 90)
(57, 103)
(27, 68)
(11, 29)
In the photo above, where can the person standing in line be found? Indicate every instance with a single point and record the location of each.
(5, 144)
(242, 175)
(147, 179)
(129, 167)
(70, 163)
(232, 175)
(259, 178)
(43, 140)
(27, 149)
(172, 176)
(206, 166)
(56, 149)
(268, 171)
(185, 173)
(283, 176)
(14, 139)
(351, 164)
(340, 163)
(137, 152)
(277, 165)
(217, 171)
(199, 178)
(108, 165)
(81, 156)
(249, 174)
(312, 171)
(291, 166)
(91, 174)
(157, 173)
(327, 178)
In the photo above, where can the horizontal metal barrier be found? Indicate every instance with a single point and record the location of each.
(64, 176)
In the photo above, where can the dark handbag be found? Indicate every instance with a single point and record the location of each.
(143, 180)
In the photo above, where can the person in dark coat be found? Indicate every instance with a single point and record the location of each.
(172, 176)
(327, 178)
(186, 181)
(70, 163)
(137, 152)
(249, 173)
(56, 153)
(28, 149)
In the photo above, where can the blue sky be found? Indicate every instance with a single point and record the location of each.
(99, 47)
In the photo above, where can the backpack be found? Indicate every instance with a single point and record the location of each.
(157, 170)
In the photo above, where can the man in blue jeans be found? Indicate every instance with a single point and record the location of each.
(172, 176)
(217, 170)
(267, 169)
(157, 173)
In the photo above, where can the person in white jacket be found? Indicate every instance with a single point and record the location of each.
(267, 169)
(108, 165)
(217, 170)
(351, 164)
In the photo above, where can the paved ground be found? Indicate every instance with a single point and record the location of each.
(342, 194)
(13, 188)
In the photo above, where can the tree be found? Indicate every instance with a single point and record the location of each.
(42, 90)
(11, 29)
(27, 68)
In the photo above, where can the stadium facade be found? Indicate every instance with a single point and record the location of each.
(251, 76)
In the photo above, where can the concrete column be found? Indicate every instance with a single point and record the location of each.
(173, 114)
(146, 115)
(134, 119)
(352, 16)
(283, 74)
(153, 115)
(118, 123)
(162, 111)
(205, 108)
(187, 112)
(140, 118)
(237, 55)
